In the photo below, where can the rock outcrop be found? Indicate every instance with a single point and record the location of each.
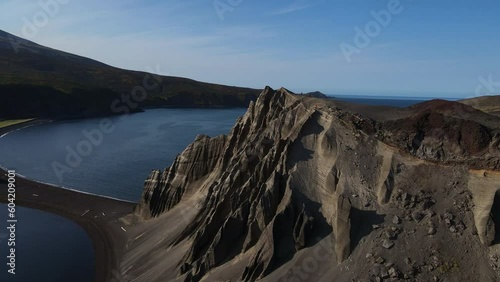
(312, 189)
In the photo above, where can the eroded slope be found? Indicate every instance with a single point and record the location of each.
(304, 188)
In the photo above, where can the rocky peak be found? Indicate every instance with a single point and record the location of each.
(298, 173)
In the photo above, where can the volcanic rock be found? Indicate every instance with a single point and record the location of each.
(273, 200)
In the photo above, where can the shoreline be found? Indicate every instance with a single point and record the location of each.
(4, 170)
(98, 216)
(18, 126)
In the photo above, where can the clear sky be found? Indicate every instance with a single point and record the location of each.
(447, 48)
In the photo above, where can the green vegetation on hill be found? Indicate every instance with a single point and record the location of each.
(5, 123)
(43, 82)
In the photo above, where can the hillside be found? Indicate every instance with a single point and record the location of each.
(308, 189)
(36, 81)
(488, 104)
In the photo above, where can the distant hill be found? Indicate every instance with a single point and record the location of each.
(487, 104)
(37, 81)
(315, 94)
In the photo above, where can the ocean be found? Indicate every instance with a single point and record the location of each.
(45, 246)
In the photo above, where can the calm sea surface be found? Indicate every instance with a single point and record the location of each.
(382, 102)
(49, 248)
(118, 165)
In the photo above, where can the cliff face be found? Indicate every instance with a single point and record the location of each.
(309, 189)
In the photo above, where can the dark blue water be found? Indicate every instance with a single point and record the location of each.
(46, 248)
(117, 166)
(402, 103)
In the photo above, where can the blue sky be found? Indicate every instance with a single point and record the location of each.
(428, 48)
